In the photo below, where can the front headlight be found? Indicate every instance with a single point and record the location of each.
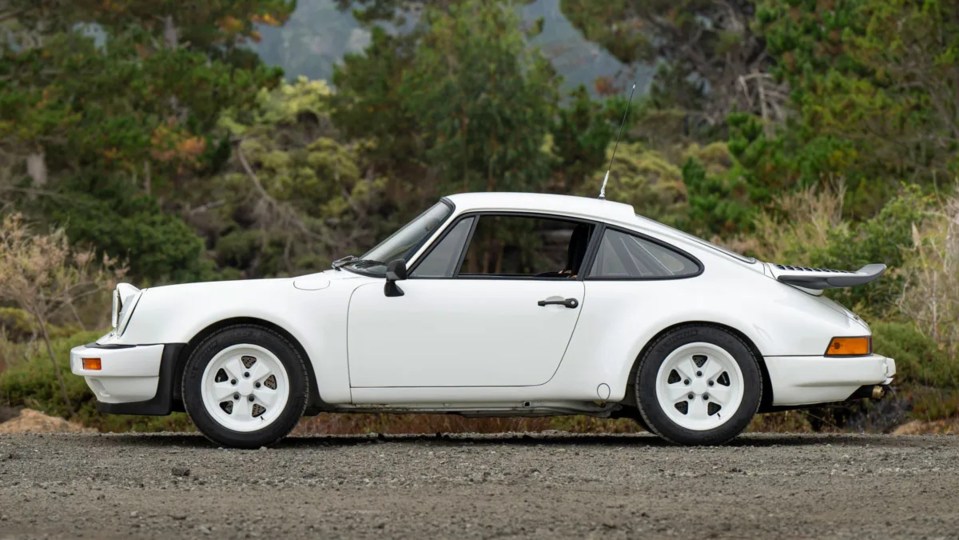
(125, 298)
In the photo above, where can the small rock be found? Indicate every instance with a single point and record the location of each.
(178, 517)
(134, 514)
(180, 471)
(204, 529)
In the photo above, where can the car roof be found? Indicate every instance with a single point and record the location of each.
(597, 209)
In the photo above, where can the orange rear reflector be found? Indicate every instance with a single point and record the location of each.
(91, 364)
(850, 346)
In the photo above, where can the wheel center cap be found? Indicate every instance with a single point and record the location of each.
(699, 385)
(245, 387)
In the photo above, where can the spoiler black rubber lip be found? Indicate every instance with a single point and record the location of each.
(812, 279)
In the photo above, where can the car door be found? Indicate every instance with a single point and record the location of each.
(494, 302)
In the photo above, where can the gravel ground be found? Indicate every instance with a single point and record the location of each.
(479, 486)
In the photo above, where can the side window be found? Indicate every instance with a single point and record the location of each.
(442, 260)
(526, 246)
(625, 256)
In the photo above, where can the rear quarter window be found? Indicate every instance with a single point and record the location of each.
(626, 256)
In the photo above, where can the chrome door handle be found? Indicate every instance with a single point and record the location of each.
(571, 303)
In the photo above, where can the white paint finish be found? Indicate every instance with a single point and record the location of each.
(616, 320)
(316, 319)
(129, 374)
(123, 389)
(804, 380)
(128, 362)
(311, 283)
(460, 332)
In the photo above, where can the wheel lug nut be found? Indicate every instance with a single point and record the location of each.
(686, 382)
(710, 383)
(246, 375)
(250, 398)
(236, 396)
(256, 385)
(233, 382)
(690, 395)
(699, 373)
(705, 397)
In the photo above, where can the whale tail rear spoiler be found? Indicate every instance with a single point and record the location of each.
(825, 278)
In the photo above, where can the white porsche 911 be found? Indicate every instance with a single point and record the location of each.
(492, 304)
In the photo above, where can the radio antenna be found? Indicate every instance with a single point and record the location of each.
(602, 190)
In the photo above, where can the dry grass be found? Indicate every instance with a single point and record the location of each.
(799, 225)
(352, 424)
(391, 424)
(931, 293)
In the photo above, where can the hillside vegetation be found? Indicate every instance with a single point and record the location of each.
(148, 142)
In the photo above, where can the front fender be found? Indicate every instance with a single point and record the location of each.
(316, 318)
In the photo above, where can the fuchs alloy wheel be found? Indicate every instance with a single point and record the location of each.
(698, 385)
(245, 386)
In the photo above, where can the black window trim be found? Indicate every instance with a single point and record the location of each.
(591, 248)
(591, 257)
(444, 200)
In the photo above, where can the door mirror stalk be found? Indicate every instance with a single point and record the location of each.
(395, 271)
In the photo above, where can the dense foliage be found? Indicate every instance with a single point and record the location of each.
(819, 132)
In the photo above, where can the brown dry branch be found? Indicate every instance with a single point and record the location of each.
(42, 275)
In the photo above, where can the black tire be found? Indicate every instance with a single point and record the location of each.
(638, 418)
(646, 385)
(254, 335)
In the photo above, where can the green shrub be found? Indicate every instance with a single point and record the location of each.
(880, 239)
(929, 404)
(32, 384)
(918, 360)
(16, 324)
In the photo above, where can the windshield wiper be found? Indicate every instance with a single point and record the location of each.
(339, 263)
(356, 262)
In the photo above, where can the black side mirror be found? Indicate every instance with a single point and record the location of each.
(395, 271)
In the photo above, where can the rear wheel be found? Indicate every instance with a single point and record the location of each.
(698, 385)
(245, 386)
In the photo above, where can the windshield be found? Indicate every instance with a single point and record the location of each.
(403, 243)
(705, 243)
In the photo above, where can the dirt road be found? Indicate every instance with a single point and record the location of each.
(511, 486)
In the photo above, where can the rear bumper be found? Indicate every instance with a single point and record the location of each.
(133, 379)
(806, 380)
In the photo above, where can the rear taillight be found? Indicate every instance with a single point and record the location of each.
(850, 346)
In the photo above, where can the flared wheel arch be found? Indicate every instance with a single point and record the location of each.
(767, 395)
(316, 403)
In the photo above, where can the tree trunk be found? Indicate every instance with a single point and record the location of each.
(37, 168)
(171, 35)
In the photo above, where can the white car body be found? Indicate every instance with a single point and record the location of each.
(484, 346)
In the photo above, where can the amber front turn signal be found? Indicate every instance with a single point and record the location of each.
(91, 364)
(850, 346)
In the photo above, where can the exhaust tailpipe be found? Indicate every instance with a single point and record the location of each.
(871, 391)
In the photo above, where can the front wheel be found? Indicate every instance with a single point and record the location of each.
(698, 385)
(245, 386)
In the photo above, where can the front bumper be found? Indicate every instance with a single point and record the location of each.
(806, 380)
(133, 379)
